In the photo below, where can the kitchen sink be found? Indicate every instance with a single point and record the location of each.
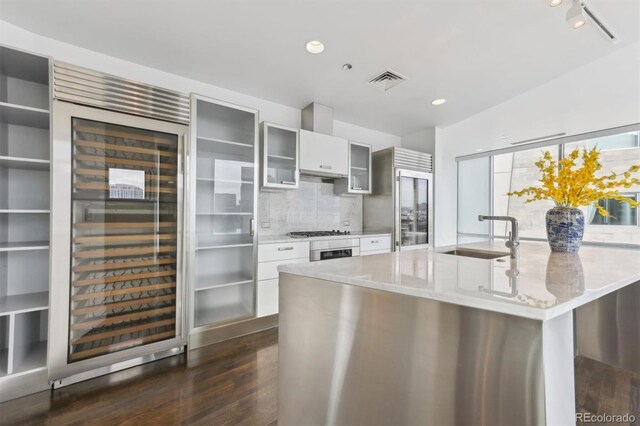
(478, 254)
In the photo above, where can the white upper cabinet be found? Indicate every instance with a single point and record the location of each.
(323, 155)
(279, 157)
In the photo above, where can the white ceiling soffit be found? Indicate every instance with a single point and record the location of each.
(474, 53)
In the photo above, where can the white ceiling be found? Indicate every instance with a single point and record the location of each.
(474, 53)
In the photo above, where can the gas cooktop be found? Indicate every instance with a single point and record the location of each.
(308, 234)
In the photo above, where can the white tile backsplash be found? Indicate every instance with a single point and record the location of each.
(312, 207)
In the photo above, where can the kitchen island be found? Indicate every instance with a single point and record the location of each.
(424, 337)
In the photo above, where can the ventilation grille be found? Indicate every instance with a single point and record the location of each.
(386, 80)
(83, 86)
(410, 159)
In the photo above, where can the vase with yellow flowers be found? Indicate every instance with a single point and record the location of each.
(573, 182)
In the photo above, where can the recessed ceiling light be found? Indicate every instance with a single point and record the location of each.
(438, 101)
(575, 17)
(315, 47)
(554, 3)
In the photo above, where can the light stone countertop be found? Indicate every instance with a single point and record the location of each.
(272, 239)
(539, 285)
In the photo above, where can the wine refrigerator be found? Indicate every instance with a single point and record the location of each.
(117, 295)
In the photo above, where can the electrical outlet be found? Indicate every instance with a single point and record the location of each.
(346, 223)
(265, 225)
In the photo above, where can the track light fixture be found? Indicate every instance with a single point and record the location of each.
(575, 17)
(553, 3)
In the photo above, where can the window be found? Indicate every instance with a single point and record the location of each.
(619, 213)
(614, 142)
(485, 179)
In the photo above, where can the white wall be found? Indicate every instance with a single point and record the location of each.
(423, 140)
(599, 95)
(11, 35)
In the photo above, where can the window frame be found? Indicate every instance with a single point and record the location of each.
(635, 196)
(560, 143)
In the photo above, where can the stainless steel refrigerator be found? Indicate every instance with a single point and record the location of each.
(402, 197)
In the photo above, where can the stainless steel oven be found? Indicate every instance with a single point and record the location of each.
(334, 249)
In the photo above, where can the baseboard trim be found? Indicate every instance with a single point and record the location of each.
(210, 335)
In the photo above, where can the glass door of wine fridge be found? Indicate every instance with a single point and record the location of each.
(117, 215)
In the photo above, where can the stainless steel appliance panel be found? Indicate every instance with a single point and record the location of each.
(608, 329)
(435, 363)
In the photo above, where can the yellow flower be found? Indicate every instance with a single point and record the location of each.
(569, 186)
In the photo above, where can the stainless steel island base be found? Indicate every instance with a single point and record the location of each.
(354, 355)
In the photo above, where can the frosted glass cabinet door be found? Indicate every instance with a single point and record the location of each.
(279, 157)
(222, 277)
(473, 195)
(360, 168)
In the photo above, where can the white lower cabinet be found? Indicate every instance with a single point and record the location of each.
(270, 256)
(267, 297)
(375, 245)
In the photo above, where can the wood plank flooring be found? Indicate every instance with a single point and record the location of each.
(235, 383)
(602, 389)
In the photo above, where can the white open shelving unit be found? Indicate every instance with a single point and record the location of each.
(225, 152)
(24, 213)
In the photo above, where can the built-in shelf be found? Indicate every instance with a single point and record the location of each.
(207, 282)
(224, 214)
(24, 303)
(24, 115)
(36, 357)
(247, 182)
(242, 144)
(24, 163)
(219, 242)
(222, 314)
(24, 246)
(281, 157)
(23, 211)
(4, 361)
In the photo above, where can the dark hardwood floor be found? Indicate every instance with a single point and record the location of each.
(602, 389)
(235, 383)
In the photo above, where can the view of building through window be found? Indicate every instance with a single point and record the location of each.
(516, 170)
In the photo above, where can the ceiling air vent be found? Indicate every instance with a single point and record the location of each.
(386, 80)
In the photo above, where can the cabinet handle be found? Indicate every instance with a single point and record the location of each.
(356, 188)
(287, 182)
(252, 227)
(285, 248)
(375, 241)
(322, 166)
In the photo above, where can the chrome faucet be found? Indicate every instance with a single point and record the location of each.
(513, 243)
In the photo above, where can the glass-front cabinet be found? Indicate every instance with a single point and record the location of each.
(223, 176)
(280, 159)
(359, 178)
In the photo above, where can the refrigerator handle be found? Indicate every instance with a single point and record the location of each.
(252, 227)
